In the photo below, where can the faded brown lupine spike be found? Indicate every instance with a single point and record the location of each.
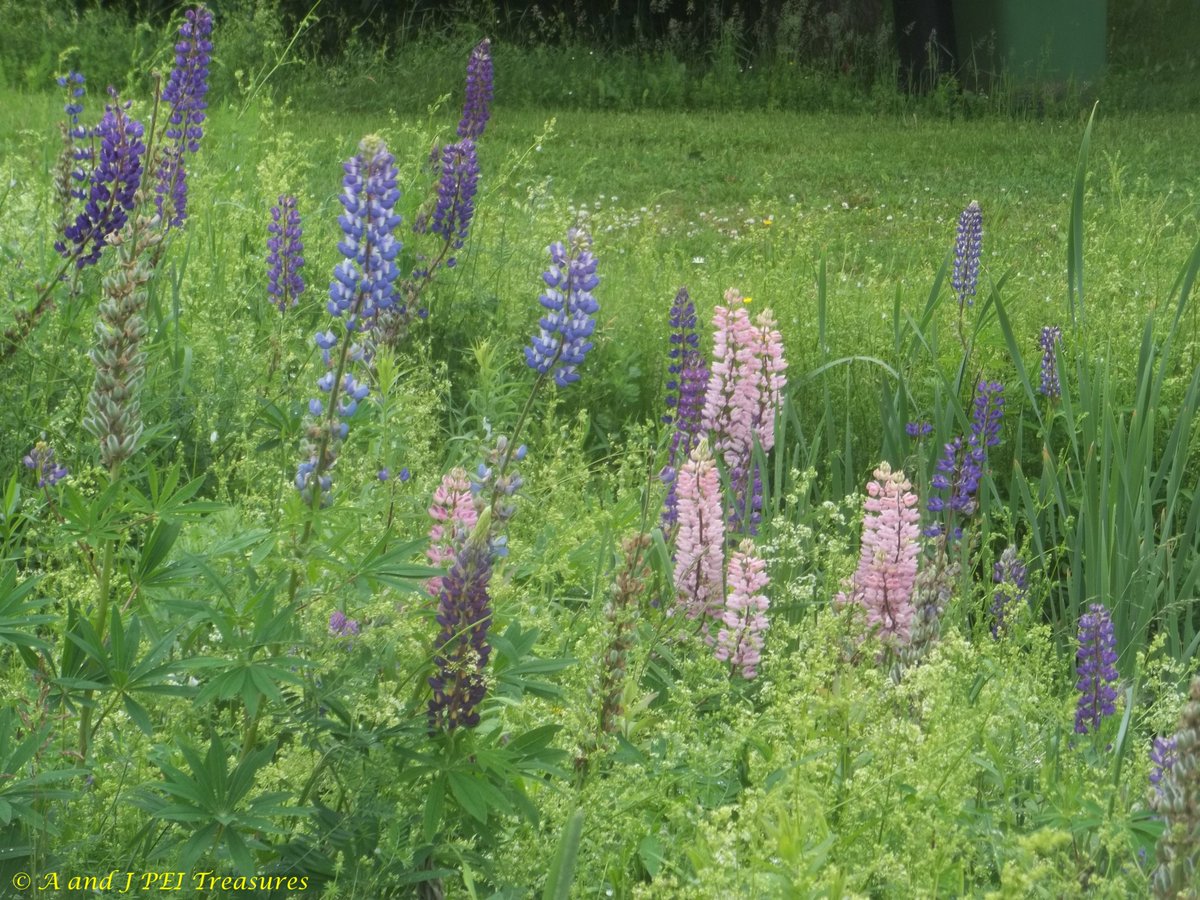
(1177, 801)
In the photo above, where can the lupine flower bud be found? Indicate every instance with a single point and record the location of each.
(700, 541)
(41, 460)
(112, 186)
(687, 380)
(477, 107)
(967, 247)
(114, 414)
(1051, 335)
(932, 589)
(1094, 664)
(740, 642)
(184, 95)
(1177, 801)
(887, 567)
(1009, 575)
(621, 616)
(562, 341)
(285, 257)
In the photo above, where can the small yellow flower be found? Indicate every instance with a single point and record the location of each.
(768, 222)
(746, 299)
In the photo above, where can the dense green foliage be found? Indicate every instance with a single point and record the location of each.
(173, 697)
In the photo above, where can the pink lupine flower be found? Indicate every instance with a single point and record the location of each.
(731, 400)
(454, 515)
(887, 567)
(699, 545)
(769, 378)
(740, 642)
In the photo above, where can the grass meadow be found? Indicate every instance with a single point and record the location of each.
(206, 671)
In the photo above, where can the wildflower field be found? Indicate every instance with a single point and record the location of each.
(515, 502)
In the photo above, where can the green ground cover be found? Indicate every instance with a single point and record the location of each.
(214, 720)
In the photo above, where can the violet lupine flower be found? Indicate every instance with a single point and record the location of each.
(285, 257)
(477, 107)
(562, 342)
(41, 460)
(687, 379)
(918, 429)
(1094, 664)
(461, 657)
(1162, 755)
(340, 626)
(361, 288)
(112, 186)
(967, 247)
(1009, 575)
(456, 195)
(69, 174)
(454, 515)
(961, 468)
(495, 482)
(740, 642)
(700, 541)
(1051, 335)
(184, 95)
(887, 566)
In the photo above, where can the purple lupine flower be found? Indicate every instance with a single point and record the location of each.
(285, 253)
(961, 467)
(1094, 664)
(687, 380)
(477, 107)
(1009, 575)
(41, 460)
(184, 95)
(456, 194)
(361, 288)
(967, 247)
(112, 186)
(497, 478)
(562, 342)
(340, 626)
(464, 614)
(1162, 755)
(1051, 335)
(918, 429)
(69, 174)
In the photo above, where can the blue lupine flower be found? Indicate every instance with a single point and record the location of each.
(918, 429)
(112, 186)
(456, 194)
(476, 108)
(562, 342)
(687, 379)
(284, 258)
(184, 95)
(967, 247)
(1094, 664)
(1051, 335)
(361, 288)
(41, 460)
(1009, 575)
(464, 614)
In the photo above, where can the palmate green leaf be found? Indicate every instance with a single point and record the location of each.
(18, 616)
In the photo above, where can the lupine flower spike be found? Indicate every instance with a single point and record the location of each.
(1094, 663)
(477, 107)
(967, 247)
(1051, 336)
(360, 290)
(700, 542)
(1176, 799)
(112, 186)
(961, 469)
(69, 175)
(887, 567)
(1009, 575)
(285, 256)
(41, 460)
(740, 642)
(562, 341)
(454, 515)
(184, 95)
(687, 379)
